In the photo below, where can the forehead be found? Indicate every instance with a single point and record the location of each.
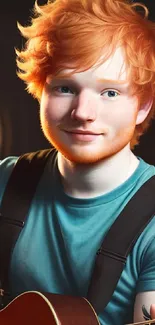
(113, 69)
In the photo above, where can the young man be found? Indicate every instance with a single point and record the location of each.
(91, 66)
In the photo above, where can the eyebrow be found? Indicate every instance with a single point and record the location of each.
(106, 81)
(123, 84)
(117, 82)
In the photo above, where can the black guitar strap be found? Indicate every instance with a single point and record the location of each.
(117, 244)
(14, 208)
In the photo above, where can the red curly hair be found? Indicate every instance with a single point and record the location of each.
(75, 33)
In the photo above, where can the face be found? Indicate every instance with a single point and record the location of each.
(90, 116)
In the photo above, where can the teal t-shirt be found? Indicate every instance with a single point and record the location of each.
(57, 247)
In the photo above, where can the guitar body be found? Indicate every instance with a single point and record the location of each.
(35, 308)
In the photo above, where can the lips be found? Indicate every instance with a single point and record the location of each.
(83, 136)
(82, 132)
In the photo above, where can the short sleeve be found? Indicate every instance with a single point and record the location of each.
(146, 281)
(6, 167)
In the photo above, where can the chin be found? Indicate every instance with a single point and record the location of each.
(87, 155)
(82, 159)
(83, 156)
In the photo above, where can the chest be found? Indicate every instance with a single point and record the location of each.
(56, 254)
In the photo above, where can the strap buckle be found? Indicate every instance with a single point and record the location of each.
(1, 292)
(110, 254)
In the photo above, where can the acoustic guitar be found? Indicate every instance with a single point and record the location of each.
(35, 308)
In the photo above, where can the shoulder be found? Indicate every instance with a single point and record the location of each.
(145, 170)
(6, 167)
(146, 241)
(143, 252)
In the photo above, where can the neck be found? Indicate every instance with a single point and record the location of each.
(87, 181)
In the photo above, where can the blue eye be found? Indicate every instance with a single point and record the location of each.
(111, 93)
(63, 88)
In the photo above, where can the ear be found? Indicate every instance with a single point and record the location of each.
(143, 112)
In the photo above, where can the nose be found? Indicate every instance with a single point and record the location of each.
(85, 108)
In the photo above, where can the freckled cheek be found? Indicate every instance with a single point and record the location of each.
(119, 121)
(55, 110)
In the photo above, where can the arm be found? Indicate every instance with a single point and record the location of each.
(145, 295)
(142, 309)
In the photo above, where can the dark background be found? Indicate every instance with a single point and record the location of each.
(19, 112)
